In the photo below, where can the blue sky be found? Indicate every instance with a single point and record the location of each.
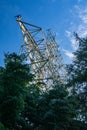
(63, 16)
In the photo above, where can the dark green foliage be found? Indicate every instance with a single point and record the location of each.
(78, 77)
(48, 111)
(14, 77)
(77, 125)
(29, 115)
(55, 110)
(2, 127)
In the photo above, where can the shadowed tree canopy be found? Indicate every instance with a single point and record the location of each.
(78, 77)
(14, 78)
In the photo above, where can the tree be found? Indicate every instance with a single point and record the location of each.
(60, 111)
(14, 78)
(2, 127)
(29, 116)
(78, 77)
(50, 110)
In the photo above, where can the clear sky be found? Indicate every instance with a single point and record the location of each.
(63, 16)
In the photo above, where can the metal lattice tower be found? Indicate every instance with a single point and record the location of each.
(43, 53)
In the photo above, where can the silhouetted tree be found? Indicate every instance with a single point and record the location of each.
(78, 77)
(13, 80)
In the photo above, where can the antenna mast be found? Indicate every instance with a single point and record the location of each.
(43, 53)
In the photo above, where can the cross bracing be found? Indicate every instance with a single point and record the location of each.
(43, 54)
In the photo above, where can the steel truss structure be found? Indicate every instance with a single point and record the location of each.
(43, 54)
